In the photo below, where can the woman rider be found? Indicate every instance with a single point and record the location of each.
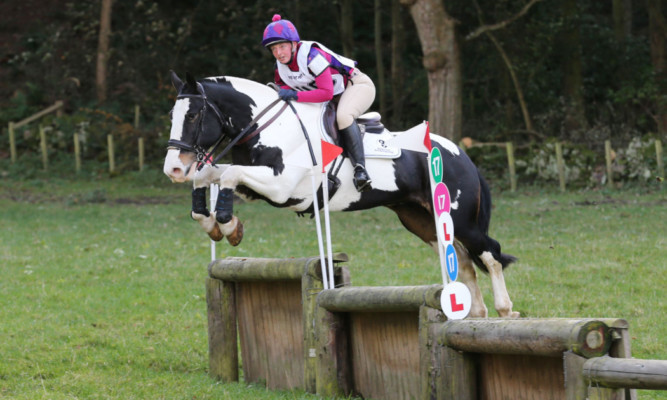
(309, 72)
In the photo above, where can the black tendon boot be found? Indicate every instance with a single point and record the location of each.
(355, 150)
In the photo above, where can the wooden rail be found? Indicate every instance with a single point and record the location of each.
(56, 107)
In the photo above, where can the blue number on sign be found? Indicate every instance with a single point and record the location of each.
(452, 263)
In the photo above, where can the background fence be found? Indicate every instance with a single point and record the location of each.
(605, 176)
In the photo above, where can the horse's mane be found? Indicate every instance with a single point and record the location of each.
(260, 93)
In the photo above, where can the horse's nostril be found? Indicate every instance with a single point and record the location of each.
(177, 171)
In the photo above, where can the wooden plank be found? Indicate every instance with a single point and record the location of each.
(626, 373)
(270, 324)
(246, 269)
(384, 349)
(55, 107)
(521, 377)
(380, 298)
(542, 337)
(222, 337)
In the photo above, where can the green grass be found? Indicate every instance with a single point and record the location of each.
(102, 279)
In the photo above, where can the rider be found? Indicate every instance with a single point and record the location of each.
(309, 72)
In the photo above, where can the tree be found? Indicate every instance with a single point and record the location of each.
(437, 34)
(571, 66)
(658, 40)
(397, 65)
(378, 56)
(103, 51)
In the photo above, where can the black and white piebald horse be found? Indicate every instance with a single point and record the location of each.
(271, 160)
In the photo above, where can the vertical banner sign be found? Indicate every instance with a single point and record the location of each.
(455, 300)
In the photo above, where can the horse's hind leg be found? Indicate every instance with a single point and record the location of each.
(502, 301)
(468, 276)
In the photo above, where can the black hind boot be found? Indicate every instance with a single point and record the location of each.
(355, 150)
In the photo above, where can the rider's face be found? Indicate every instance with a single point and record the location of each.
(282, 52)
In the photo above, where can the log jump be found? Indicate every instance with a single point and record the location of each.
(395, 342)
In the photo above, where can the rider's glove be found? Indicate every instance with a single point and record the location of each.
(288, 94)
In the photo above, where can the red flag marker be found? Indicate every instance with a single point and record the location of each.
(427, 138)
(329, 153)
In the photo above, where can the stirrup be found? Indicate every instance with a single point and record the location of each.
(362, 182)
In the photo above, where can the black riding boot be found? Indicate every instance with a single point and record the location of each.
(355, 150)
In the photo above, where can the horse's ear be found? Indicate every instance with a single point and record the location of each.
(176, 81)
(190, 80)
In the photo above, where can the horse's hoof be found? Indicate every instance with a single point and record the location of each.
(216, 234)
(235, 237)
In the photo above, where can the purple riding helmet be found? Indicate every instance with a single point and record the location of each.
(280, 30)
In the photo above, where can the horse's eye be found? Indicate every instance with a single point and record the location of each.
(191, 116)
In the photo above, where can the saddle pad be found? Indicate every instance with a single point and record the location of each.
(375, 146)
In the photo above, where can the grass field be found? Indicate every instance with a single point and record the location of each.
(102, 279)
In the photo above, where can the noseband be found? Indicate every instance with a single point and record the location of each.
(196, 148)
(202, 156)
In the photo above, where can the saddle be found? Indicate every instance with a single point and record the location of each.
(368, 123)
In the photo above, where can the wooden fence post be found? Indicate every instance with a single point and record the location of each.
(607, 157)
(112, 162)
(658, 156)
(43, 147)
(136, 116)
(77, 153)
(141, 154)
(12, 142)
(510, 160)
(561, 166)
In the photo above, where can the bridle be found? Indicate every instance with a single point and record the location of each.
(201, 154)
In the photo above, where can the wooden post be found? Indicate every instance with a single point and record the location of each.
(12, 142)
(77, 153)
(141, 154)
(512, 168)
(59, 108)
(561, 166)
(42, 145)
(112, 162)
(222, 338)
(658, 156)
(136, 116)
(607, 157)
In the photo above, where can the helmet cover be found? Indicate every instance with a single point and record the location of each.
(280, 30)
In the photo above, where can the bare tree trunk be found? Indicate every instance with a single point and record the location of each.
(378, 57)
(436, 30)
(397, 66)
(658, 38)
(486, 29)
(347, 27)
(622, 16)
(571, 65)
(103, 51)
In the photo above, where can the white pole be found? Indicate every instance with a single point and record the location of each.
(325, 196)
(316, 210)
(213, 200)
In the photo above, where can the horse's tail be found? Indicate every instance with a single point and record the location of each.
(483, 222)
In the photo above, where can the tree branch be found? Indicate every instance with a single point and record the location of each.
(486, 28)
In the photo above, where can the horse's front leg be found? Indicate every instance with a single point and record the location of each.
(221, 222)
(201, 214)
(261, 179)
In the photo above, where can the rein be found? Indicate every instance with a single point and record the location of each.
(245, 135)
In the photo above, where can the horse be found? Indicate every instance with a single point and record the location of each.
(272, 156)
